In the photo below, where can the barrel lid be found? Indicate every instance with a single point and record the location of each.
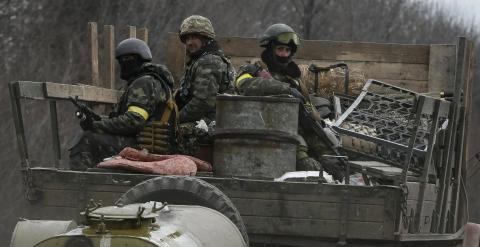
(131, 211)
(274, 98)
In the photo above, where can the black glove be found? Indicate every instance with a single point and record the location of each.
(310, 164)
(333, 167)
(251, 69)
(86, 124)
(295, 93)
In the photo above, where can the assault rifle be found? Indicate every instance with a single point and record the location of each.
(328, 137)
(84, 112)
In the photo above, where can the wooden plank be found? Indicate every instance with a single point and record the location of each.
(238, 187)
(239, 46)
(40, 212)
(461, 77)
(143, 34)
(69, 197)
(48, 175)
(14, 90)
(413, 190)
(389, 73)
(468, 131)
(131, 32)
(335, 50)
(458, 200)
(308, 210)
(414, 85)
(314, 228)
(441, 74)
(371, 70)
(407, 65)
(72, 186)
(105, 197)
(109, 56)
(60, 198)
(175, 60)
(357, 51)
(381, 70)
(30, 90)
(301, 197)
(55, 135)
(426, 216)
(93, 45)
(84, 92)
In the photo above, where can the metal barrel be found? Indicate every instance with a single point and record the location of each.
(255, 136)
(28, 233)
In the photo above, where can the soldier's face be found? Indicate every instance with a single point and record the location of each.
(193, 43)
(283, 51)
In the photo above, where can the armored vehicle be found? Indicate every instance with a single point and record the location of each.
(407, 143)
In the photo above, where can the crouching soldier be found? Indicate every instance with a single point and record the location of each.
(276, 74)
(208, 73)
(144, 100)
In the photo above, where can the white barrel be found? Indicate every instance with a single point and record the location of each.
(27, 233)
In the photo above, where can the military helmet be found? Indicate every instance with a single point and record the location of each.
(280, 33)
(196, 24)
(133, 46)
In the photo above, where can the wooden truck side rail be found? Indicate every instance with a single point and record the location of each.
(421, 68)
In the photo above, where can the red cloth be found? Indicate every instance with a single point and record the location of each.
(137, 155)
(139, 161)
(173, 166)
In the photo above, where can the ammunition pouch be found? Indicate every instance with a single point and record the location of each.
(159, 137)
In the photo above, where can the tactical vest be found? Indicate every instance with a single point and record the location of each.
(161, 74)
(159, 133)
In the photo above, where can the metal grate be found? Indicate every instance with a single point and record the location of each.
(384, 117)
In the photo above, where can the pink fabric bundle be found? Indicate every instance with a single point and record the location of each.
(139, 161)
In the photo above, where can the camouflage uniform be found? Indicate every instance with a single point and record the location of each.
(144, 100)
(208, 73)
(270, 78)
(204, 78)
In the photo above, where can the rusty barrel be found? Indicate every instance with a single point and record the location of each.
(255, 136)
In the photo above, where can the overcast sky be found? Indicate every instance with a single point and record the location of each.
(469, 10)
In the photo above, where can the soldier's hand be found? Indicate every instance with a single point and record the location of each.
(333, 167)
(295, 93)
(86, 124)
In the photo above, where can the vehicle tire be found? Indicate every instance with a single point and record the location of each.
(184, 190)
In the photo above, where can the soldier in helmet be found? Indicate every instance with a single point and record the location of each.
(276, 74)
(143, 101)
(208, 73)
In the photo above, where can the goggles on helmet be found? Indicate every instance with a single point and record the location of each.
(286, 38)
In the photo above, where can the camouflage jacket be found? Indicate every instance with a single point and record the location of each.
(273, 82)
(204, 78)
(143, 100)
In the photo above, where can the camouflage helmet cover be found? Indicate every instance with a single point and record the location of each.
(196, 24)
(281, 33)
(133, 46)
